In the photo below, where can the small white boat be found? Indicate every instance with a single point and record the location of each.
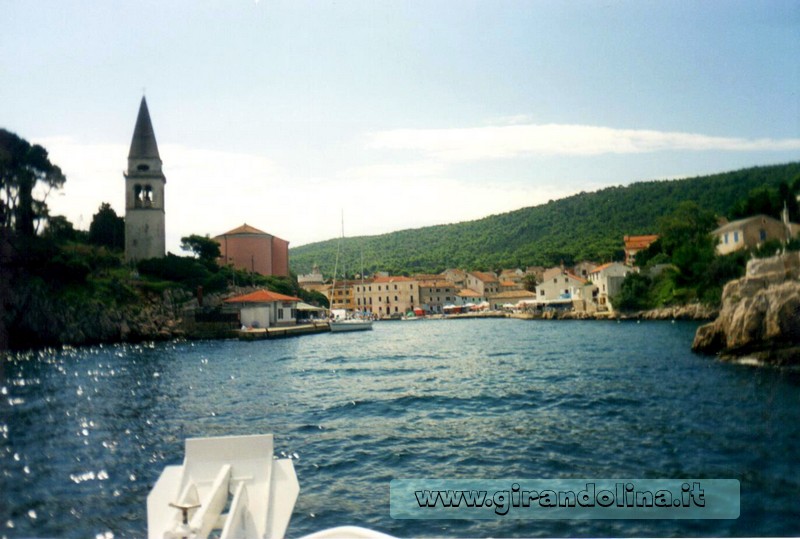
(231, 486)
(237, 473)
(350, 324)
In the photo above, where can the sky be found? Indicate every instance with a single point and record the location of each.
(287, 115)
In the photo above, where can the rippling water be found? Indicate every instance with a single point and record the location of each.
(86, 432)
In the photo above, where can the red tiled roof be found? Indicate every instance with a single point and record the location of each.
(513, 294)
(639, 242)
(468, 293)
(390, 279)
(598, 269)
(261, 296)
(573, 276)
(508, 283)
(244, 229)
(485, 277)
(434, 284)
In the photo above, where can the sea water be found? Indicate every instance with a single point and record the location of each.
(85, 432)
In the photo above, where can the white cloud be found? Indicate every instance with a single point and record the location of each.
(509, 141)
(210, 192)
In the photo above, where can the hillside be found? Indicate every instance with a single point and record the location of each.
(583, 226)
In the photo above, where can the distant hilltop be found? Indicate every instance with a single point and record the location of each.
(586, 226)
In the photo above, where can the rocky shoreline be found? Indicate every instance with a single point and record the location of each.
(760, 315)
(692, 311)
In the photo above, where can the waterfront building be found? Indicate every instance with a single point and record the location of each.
(347, 295)
(386, 296)
(265, 309)
(435, 294)
(251, 249)
(509, 297)
(468, 297)
(564, 286)
(145, 234)
(607, 280)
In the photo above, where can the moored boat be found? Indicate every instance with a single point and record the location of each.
(350, 324)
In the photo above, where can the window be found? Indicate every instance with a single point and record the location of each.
(726, 238)
(143, 168)
(736, 237)
(762, 234)
(395, 287)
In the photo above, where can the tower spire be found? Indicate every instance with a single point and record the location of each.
(143, 143)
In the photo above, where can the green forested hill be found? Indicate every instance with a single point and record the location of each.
(584, 226)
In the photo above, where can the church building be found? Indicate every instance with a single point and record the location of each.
(144, 193)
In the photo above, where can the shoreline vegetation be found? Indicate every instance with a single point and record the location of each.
(63, 286)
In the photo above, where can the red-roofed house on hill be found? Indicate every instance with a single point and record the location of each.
(263, 309)
(251, 249)
(634, 244)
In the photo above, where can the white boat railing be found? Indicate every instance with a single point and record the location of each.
(237, 473)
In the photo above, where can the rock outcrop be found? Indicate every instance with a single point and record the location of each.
(39, 319)
(760, 315)
(692, 311)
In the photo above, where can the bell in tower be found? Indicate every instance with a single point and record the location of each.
(144, 193)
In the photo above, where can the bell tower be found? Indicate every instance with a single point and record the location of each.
(144, 193)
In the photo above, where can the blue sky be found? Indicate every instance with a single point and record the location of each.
(400, 114)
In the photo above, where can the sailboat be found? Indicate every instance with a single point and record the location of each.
(348, 322)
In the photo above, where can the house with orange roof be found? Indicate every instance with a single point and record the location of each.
(501, 300)
(248, 248)
(607, 279)
(634, 244)
(515, 275)
(483, 283)
(564, 286)
(506, 286)
(468, 297)
(265, 309)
